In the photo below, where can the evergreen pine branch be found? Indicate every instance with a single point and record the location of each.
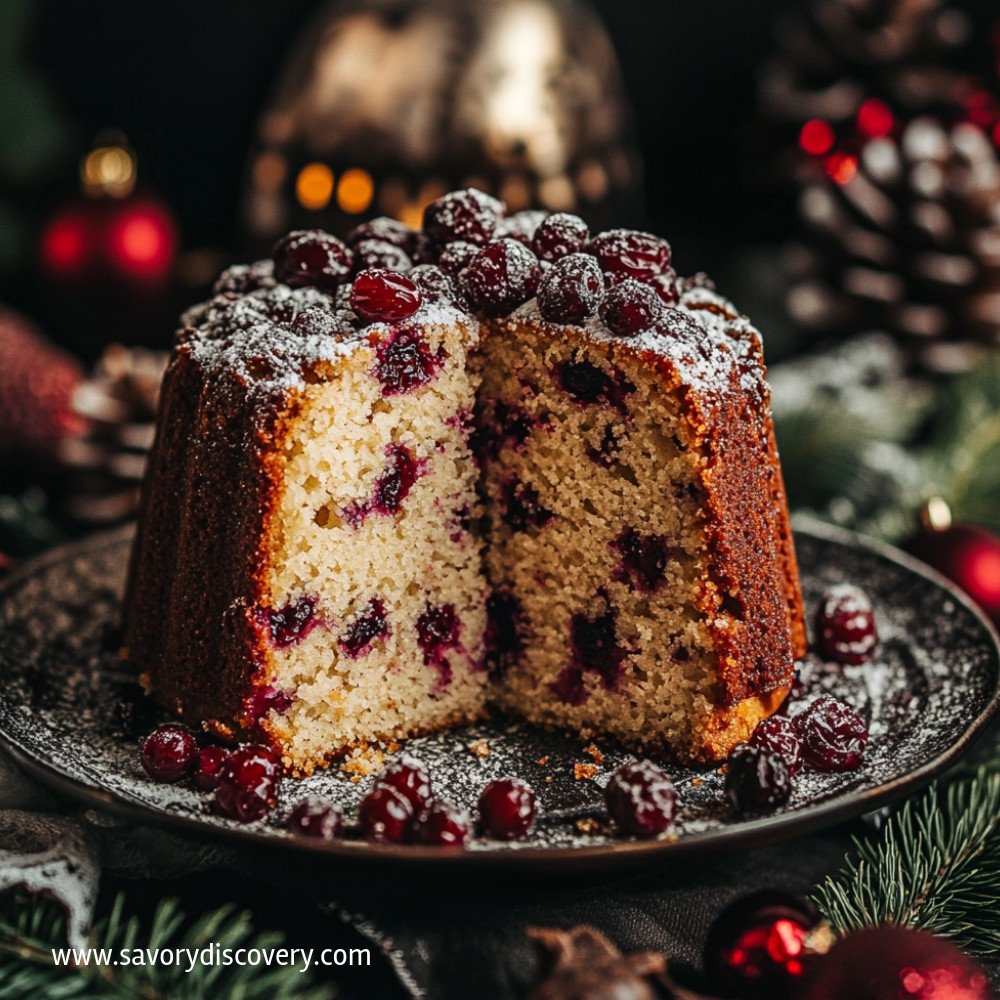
(936, 866)
(30, 927)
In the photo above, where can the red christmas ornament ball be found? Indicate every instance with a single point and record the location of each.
(759, 946)
(894, 963)
(37, 380)
(970, 557)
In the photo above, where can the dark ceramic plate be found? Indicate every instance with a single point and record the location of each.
(71, 715)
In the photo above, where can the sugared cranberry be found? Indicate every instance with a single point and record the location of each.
(405, 363)
(386, 816)
(777, 735)
(571, 290)
(641, 799)
(521, 226)
(248, 782)
(409, 777)
(469, 215)
(626, 253)
(208, 768)
(757, 780)
(505, 627)
(169, 753)
(443, 824)
(385, 230)
(631, 307)
(438, 627)
(559, 236)
(316, 321)
(456, 257)
(293, 622)
(502, 276)
(365, 627)
(665, 285)
(589, 385)
(435, 285)
(380, 254)
(832, 733)
(845, 624)
(379, 294)
(242, 278)
(507, 808)
(697, 280)
(644, 559)
(312, 257)
(315, 818)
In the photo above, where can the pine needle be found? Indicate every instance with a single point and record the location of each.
(936, 866)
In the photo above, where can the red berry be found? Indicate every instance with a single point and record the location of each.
(502, 276)
(380, 254)
(443, 824)
(208, 768)
(386, 816)
(311, 257)
(571, 289)
(468, 215)
(385, 230)
(665, 285)
(778, 735)
(756, 780)
(521, 226)
(456, 257)
(247, 788)
(560, 235)
(631, 307)
(507, 808)
(845, 624)
(641, 799)
(242, 278)
(833, 735)
(410, 778)
(169, 753)
(379, 294)
(626, 253)
(435, 286)
(315, 818)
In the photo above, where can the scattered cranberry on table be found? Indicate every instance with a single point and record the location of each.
(757, 780)
(315, 818)
(845, 625)
(641, 799)
(778, 735)
(443, 824)
(507, 808)
(410, 778)
(208, 768)
(247, 788)
(386, 816)
(832, 733)
(169, 753)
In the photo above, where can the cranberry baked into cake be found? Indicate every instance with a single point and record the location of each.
(500, 461)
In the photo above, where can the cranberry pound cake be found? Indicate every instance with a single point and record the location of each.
(499, 462)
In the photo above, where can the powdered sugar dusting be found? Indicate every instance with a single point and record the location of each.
(72, 705)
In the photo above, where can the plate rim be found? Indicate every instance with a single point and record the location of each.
(617, 854)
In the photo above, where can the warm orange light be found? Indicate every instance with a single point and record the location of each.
(816, 137)
(108, 170)
(841, 168)
(269, 171)
(314, 186)
(411, 214)
(355, 191)
(64, 243)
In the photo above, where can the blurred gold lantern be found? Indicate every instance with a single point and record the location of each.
(386, 104)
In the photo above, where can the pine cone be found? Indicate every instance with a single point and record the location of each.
(104, 462)
(833, 55)
(906, 241)
(37, 380)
